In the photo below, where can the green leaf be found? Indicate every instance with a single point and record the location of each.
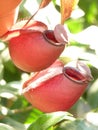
(91, 14)
(77, 125)
(80, 108)
(1, 70)
(47, 120)
(92, 95)
(16, 125)
(56, 5)
(5, 127)
(11, 72)
(9, 90)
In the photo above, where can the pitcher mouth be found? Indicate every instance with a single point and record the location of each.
(75, 75)
(50, 37)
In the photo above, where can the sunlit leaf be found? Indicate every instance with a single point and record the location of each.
(4, 111)
(77, 125)
(9, 90)
(88, 36)
(66, 8)
(16, 125)
(75, 52)
(92, 117)
(6, 127)
(91, 15)
(78, 108)
(33, 114)
(47, 120)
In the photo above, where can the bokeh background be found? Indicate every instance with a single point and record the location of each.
(15, 112)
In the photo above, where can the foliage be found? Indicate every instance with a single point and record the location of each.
(17, 114)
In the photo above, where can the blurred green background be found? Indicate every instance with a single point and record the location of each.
(17, 114)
